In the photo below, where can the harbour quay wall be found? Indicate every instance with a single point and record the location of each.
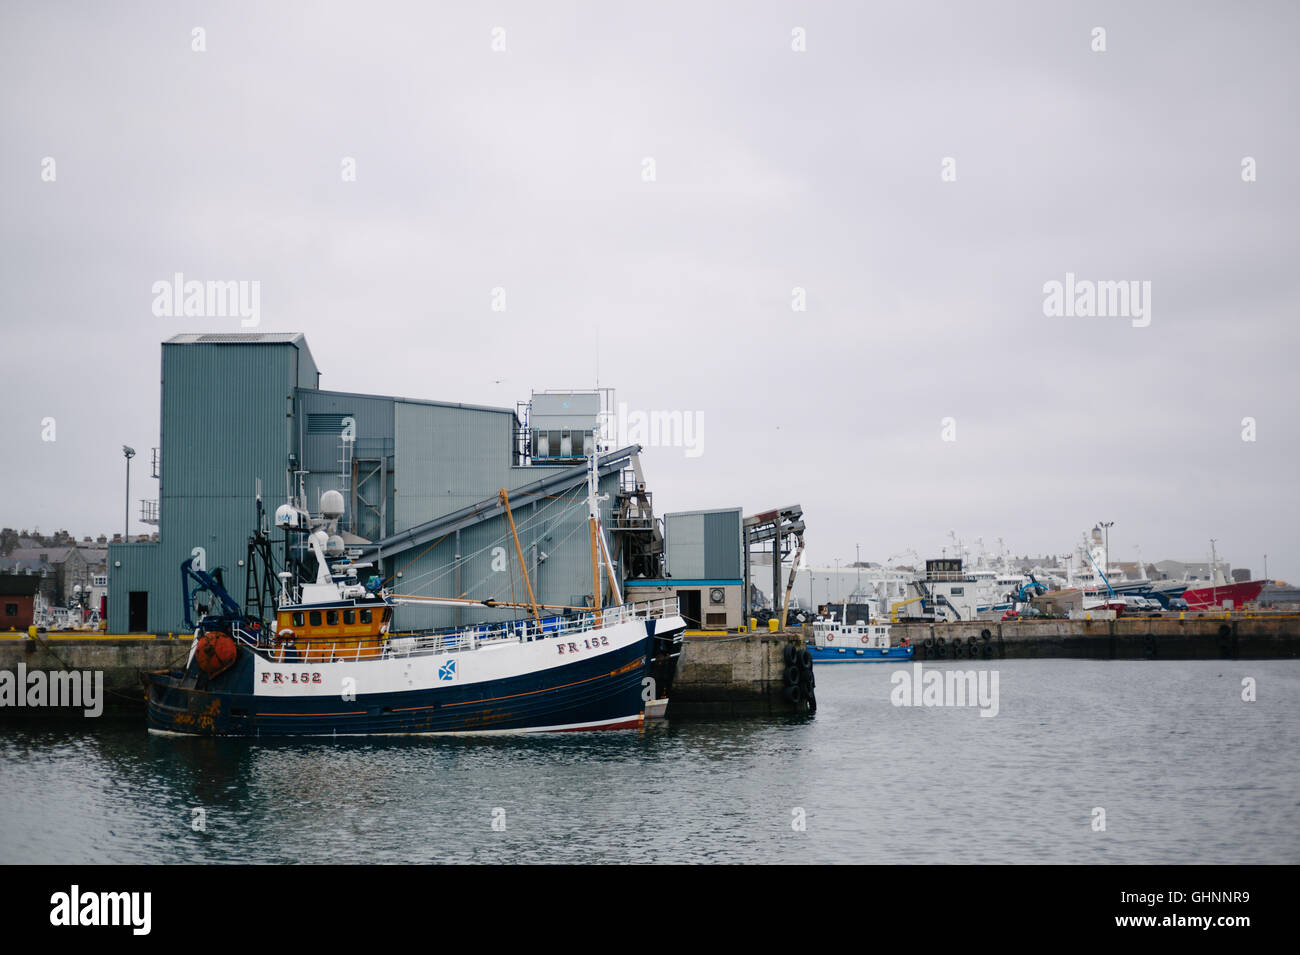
(733, 675)
(120, 660)
(1208, 637)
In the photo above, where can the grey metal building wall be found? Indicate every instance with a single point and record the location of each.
(576, 412)
(227, 420)
(448, 457)
(320, 419)
(705, 544)
(724, 544)
(319, 427)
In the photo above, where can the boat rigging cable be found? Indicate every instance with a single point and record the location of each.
(435, 576)
(468, 517)
(491, 600)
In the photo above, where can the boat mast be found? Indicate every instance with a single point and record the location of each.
(532, 601)
(609, 568)
(593, 523)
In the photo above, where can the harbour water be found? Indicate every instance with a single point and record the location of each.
(1185, 770)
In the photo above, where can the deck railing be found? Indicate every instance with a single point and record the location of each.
(456, 640)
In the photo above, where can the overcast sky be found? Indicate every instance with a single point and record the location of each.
(774, 169)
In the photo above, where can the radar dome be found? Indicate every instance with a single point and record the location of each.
(334, 546)
(286, 515)
(331, 505)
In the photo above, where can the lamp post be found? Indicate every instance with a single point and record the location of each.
(127, 453)
(1105, 527)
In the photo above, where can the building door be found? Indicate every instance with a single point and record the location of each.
(138, 611)
(690, 605)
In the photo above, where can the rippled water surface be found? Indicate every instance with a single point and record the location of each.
(1184, 769)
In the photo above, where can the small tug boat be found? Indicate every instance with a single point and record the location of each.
(837, 641)
(331, 666)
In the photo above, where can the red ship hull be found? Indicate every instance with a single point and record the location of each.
(1208, 598)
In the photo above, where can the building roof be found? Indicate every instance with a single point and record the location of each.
(410, 401)
(51, 555)
(237, 338)
(24, 566)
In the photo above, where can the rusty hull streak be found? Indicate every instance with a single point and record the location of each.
(486, 718)
(198, 715)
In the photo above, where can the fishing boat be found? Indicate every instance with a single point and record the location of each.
(838, 641)
(331, 664)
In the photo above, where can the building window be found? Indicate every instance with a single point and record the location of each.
(958, 591)
(11, 610)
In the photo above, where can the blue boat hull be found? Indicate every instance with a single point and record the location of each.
(603, 692)
(862, 655)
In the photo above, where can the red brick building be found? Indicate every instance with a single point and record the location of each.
(18, 600)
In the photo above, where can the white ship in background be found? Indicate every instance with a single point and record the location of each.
(986, 586)
(945, 590)
(84, 615)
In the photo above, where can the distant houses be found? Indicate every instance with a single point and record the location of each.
(63, 567)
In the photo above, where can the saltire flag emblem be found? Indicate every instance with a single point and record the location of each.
(447, 671)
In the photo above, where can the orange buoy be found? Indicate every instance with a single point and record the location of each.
(215, 653)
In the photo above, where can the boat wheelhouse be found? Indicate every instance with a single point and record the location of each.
(335, 619)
